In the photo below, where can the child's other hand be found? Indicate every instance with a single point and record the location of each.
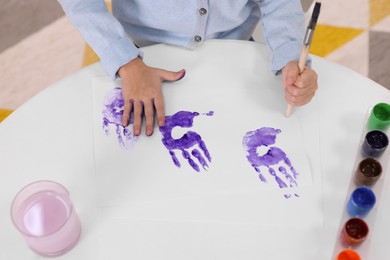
(141, 89)
(299, 88)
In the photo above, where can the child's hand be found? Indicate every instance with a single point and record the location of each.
(141, 89)
(299, 88)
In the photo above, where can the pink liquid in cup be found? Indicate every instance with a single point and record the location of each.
(43, 213)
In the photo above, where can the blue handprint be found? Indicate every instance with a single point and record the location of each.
(187, 141)
(112, 115)
(274, 156)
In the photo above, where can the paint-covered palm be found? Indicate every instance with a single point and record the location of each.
(190, 145)
(112, 116)
(273, 159)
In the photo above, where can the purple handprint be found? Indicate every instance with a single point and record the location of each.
(274, 156)
(112, 115)
(187, 141)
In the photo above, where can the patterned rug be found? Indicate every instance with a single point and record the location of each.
(356, 34)
(34, 55)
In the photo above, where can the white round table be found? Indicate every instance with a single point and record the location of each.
(52, 137)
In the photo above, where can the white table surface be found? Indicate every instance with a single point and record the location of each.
(51, 137)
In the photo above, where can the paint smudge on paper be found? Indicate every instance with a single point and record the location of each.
(188, 143)
(274, 159)
(112, 117)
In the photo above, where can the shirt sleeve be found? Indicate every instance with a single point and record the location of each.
(102, 31)
(283, 23)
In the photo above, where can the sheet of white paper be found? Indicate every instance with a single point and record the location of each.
(146, 171)
(144, 183)
(152, 209)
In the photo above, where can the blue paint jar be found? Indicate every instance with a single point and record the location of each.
(361, 202)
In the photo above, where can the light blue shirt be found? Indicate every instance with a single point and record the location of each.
(186, 23)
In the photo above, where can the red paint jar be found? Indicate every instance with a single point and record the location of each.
(355, 231)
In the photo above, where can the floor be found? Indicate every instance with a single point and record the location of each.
(37, 53)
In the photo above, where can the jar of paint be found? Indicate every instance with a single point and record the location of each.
(354, 232)
(368, 171)
(44, 214)
(348, 254)
(375, 143)
(361, 202)
(379, 117)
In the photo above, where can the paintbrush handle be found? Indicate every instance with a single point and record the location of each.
(303, 58)
(306, 44)
(289, 110)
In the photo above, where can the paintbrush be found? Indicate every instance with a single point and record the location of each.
(306, 44)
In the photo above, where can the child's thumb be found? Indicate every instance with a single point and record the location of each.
(173, 75)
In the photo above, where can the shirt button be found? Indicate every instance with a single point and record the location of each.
(197, 38)
(202, 11)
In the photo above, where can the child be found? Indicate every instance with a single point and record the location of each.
(115, 38)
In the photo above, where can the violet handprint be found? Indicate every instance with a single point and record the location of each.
(274, 160)
(190, 145)
(112, 116)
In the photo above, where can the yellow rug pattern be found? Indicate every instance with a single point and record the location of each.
(328, 38)
(4, 113)
(379, 9)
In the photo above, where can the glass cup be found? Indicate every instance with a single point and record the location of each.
(368, 171)
(361, 202)
(355, 231)
(43, 213)
(380, 117)
(375, 143)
